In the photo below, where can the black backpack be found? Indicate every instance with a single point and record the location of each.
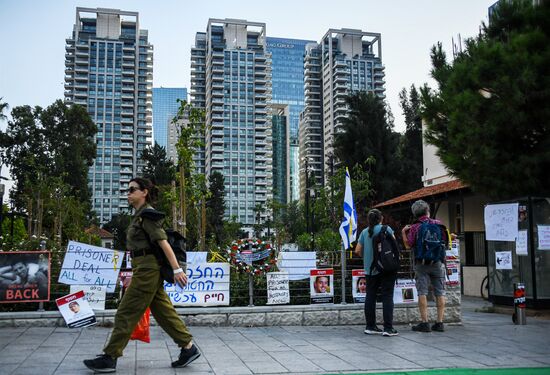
(385, 253)
(176, 241)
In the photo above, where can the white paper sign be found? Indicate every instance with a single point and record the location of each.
(503, 260)
(196, 257)
(405, 291)
(95, 295)
(544, 237)
(278, 292)
(501, 222)
(90, 265)
(454, 251)
(297, 263)
(207, 285)
(521, 243)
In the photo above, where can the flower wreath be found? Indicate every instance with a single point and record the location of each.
(256, 267)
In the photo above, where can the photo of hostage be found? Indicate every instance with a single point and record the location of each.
(322, 284)
(427, 271)
(147, 286)
(362, 285)
(25, 279)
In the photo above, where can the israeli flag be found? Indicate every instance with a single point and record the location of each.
(348, 228)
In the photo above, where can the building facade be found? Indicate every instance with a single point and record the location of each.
(281, 157)
(165, 107)
(231, 80)
(109, 70)
(343, 62)
(288, 89)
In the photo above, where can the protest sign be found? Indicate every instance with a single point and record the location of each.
(521, 243)
(278, 292)
(95, 295)
(297, 264)
(24, 276)
(543, 234)
(207, 285)
(358, 286)
(75, 310)
(501, 222)
(454, 251)
(405, 291)
(321, 285)
(90, 265)
(503, 260)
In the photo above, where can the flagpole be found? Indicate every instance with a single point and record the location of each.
(343, 262)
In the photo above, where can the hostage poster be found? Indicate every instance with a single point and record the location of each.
(24, 276)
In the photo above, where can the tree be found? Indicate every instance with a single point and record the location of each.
(3, 107)
(410, 146)
(158, 168)
(367, 139)
(489, 117)
(215, 206)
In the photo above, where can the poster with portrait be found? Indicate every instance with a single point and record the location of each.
(358, 286)
(452, 269)
(76, 310)
(24, 276)
(405, 291)
(321, 285)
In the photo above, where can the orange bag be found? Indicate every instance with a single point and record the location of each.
(141, 332)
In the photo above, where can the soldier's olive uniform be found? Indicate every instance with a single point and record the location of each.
(145, 290)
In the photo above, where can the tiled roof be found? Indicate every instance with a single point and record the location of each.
(425, 192)
(102, 233)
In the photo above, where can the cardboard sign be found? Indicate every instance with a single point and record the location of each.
(278, 292)
(24, 276)
(321, 285)
(501, 222)
(207, 285)
(75, 310)
(90, 265)
(358, 286)
(405, 291)
(95, 295)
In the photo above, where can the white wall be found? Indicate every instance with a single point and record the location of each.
(434, 171)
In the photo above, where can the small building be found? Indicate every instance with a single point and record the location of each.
(107, 238)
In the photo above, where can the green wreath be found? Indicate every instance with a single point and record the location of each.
(251, 256)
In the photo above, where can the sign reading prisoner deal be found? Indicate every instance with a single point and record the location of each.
(278, 292)
(90, 265)
(358, 286)
(24, 276)
(501, 222)
(75, 310)
(321, 284)
(207, 285)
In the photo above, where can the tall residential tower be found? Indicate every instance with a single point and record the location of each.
(109, 70)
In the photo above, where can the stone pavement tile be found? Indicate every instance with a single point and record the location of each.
(156, 354)
(307, 349)
(266, 366)
(222, 369)
(541, 359)
(330, 363)
(15, 356)
(86, 348)
(46, 356)
(457, 361)
(59, 339)
(42, 370)
(8, 368)
(393, 361)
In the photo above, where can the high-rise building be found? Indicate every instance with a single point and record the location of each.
(231, 80)
(109, 70)
(288, 89)
(165, 107)
(281, 148)
(343, 62)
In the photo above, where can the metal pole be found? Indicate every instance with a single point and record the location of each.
(343, 262)
(42, 247)
(250, 289)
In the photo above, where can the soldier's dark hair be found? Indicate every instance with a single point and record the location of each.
(146, 184)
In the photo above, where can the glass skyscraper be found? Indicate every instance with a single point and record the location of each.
(165, 107)
(288, 89)
(109, 70)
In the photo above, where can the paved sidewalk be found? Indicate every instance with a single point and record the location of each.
(483, 341)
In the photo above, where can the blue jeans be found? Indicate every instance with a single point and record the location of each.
(386, 283)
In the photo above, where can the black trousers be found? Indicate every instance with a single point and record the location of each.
(385, 282)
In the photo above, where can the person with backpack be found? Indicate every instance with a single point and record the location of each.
(147, 286)
(428, 238)
(380, 254)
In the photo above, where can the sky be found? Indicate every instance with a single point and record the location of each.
(32, 54)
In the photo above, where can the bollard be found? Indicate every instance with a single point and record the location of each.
(519, 304)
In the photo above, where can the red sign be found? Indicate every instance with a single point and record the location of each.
(24, 276)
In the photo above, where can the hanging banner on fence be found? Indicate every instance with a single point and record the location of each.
(503, 260)
(543, 232)
(298, 264)
(321, 285)
(358, 286)
(76, 310)
(95, 295)
(90, 265)
(521, 243)
(278, 292)
(207, 285)
(453, 272)
(405, 291)
(501, 222)
(24, 276)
